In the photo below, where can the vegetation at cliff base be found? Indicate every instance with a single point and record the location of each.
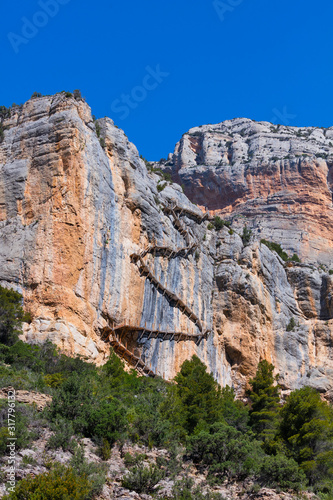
(287, 445)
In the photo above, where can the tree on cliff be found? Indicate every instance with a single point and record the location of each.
(11, 315)
(264, 396)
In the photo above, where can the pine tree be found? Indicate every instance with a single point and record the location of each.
(11, 315)
(307, 428)
(196, 396)
(264, 397)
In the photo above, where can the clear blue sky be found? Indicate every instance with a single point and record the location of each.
(261, 59)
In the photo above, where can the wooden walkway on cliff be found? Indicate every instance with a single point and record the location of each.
(124, 353)
(117, 333)
(143, 331)
(168, 252)
(177, 211)
(173, 299)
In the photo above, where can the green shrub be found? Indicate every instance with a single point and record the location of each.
(282, 472)
(4, 113)
(28, 425)
(77, 94)
(54, 380)
(210, 226)
(160, 187)
(218, 222)
(131, 460)
(104, 450)
(60, 483)
(62, 437)
(98, 129)
(94, 472)
(246, 235)
(291, 325)
(276, 248)
(295, 258)
(143, 479)
(185, 490)
(227, 452)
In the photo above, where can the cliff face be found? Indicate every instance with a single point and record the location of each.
(277, 178)
(106, 252)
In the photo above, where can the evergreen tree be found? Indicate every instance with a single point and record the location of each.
(11, 315)
(264, 396)
(196, 397)
(307, 428)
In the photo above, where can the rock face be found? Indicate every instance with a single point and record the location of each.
(106, 251)
(278, 179)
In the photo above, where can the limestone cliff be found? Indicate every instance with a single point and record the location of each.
(108, 252)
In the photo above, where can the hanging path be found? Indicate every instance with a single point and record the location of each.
(118, 332)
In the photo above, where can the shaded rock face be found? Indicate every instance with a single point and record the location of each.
(99, 245)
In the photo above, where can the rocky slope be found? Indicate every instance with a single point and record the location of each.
(37, 459)
(105, 250)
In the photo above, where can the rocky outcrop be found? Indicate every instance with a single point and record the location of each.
(278, 179)
(107, 251)
(38, 399)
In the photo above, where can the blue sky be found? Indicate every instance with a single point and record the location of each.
(160, 67)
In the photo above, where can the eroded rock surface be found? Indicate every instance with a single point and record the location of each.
(104, 249)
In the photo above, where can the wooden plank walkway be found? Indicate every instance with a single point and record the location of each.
(124, 353)
(185, 211)
(162, 334)
(168, 252)
(171, 297)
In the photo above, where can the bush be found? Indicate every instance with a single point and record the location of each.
(295, 258)
(246, 236)
(77, 94)
(143, 479)
(291, 325)
(60, 483)
(160, 187)
(62, 437)
(282, 472)
(276, 248)
(28, 424)
(94, 472)
(104, 450)
(98, 129)
(185, 490)
(105, 421)
(227, 452)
